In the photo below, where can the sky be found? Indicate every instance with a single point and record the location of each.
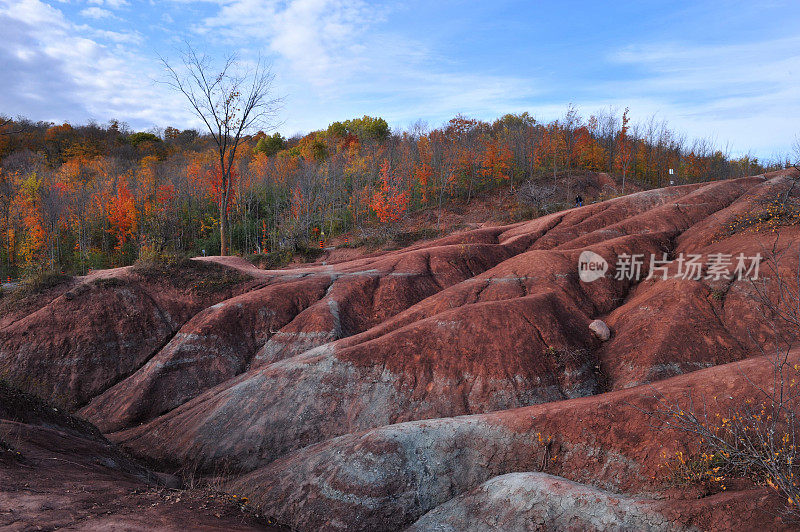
(722, 70)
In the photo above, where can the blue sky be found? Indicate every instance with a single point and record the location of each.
(721, 70)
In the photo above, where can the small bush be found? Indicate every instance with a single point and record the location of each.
(150, 254)
(197, 276)
(537, 196)
(407, 238)
(609, 192)
(41, 282)
(773, 215)
(34, 285)
(718, 295)
(393, 241)
(271, 260)
(108, 282)
(370, 242)
(521, 213)
(308, 254)
(7, 452)
(706, 469)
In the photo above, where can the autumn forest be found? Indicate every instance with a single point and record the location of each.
(81, 197)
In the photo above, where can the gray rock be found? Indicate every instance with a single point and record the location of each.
(538, 501)
(600, 329)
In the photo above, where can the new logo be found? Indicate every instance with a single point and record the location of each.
(591, 266)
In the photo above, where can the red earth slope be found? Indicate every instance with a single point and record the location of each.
(57, 471)
(367, 393)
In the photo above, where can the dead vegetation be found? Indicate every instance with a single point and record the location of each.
(754, 436)
(33, 286)
(196, 276)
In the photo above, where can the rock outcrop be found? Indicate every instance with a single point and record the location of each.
(600, 330)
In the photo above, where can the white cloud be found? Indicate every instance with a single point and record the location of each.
(742, 67)
(121, 37)
(113, 4)
(97, 13)
(333, 60)
(743, 93)
(318, 38)
(55, 70)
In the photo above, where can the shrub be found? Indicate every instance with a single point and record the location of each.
(108, 282)
(756, 435)
(308, 253)
(40, 282)
(271, 260)
(197, 276)
(773, 215)
(536, 195)
(406, 238)
(704, 469)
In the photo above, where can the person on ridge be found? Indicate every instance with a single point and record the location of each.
(579, 201)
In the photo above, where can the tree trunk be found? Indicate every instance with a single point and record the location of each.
(223, 228)
(624, 172)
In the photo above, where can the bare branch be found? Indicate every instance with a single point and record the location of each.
(230, 103)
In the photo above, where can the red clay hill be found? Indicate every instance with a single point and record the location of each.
(59, 472)
(451, 385)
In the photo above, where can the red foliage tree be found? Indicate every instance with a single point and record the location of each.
(389, 201)
(122, 214)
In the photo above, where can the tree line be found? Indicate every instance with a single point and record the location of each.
(80, 197)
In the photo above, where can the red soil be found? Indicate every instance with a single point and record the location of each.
(367, 393)
(58, 471)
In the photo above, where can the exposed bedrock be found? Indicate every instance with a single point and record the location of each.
(387, 478)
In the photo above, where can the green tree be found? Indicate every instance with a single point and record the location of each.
(270, 145)
(365, 128)
(137, 138)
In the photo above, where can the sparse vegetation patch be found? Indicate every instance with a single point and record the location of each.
(201, 277)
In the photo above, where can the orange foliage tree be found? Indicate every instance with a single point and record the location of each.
(389, 201)
(496, 161)
(34, 245)
(122, 214)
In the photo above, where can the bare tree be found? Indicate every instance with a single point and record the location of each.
(6, 121)
(536, 195)
(571, 123)
(608, 128)
(230, 103)
(625, 147)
